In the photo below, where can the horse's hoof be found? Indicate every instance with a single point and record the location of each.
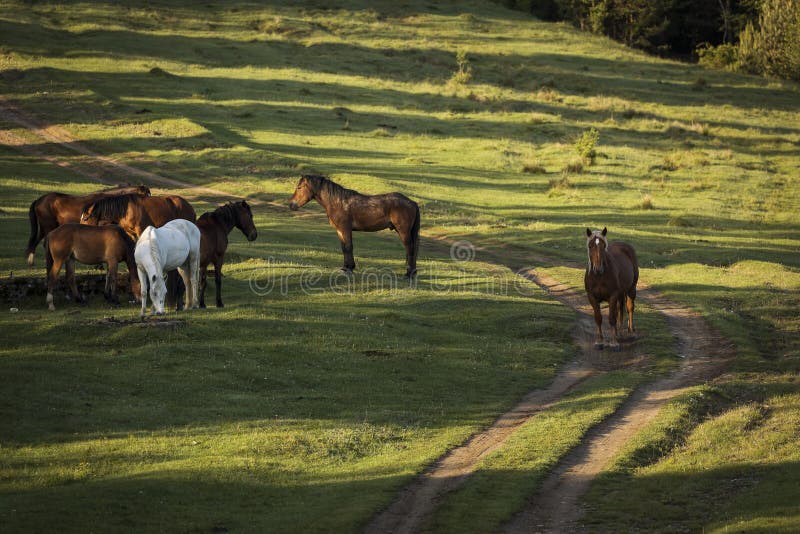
(51, 307)
(220, 305)
(598, 346)
(203, 305)
(411, 274)
(615, 348)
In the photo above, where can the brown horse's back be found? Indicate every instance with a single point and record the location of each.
(89, 244)
(182, 208)
(627, 266)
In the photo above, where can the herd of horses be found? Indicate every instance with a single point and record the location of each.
(157, 235)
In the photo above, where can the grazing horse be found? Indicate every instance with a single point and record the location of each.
(135, 213)
(350, 211)
(214, 229)
(611, 276)
(91, 245)
(54, 209)
(176, 245)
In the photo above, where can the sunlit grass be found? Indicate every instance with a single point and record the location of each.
(244, 98)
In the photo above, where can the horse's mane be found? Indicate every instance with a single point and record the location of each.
(127, 189)
(225, 214)
(332, 190)
(109, 208)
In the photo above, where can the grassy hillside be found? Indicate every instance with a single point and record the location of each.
(310, 410)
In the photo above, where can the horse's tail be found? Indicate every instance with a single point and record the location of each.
(34, 239)
(154, 255)
(415, 232)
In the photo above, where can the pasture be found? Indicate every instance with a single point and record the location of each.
(312, 398)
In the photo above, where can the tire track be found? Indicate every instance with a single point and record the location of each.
(557, 507)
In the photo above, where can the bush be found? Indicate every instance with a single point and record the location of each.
(464, 72)
(724, 56)
(774, 47)
(586, 143)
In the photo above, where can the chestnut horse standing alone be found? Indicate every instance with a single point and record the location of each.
(90, 245)
(350, 211)
(214, 229)
(611, 276)
(54, 209)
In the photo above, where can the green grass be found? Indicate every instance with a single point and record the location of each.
(328, 402)
(506, 478)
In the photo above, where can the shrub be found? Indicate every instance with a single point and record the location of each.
(586, 143)
(647, 202)
(464, 72)
(533, 167)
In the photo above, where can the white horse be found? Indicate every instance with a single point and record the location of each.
(176, 245)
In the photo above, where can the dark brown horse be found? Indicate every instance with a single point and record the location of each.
(91, 245)
(54, 209)
(214, 229)
(350, 211)
(134, 213)
(611, 276)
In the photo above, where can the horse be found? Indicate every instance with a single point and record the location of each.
(612, 275)
(350, 211)
(214, 229)
(91, 245)
(51, 210)
(135, 213)
(176, 245)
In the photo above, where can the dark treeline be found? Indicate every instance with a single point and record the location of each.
(666, 27)
(757, 36)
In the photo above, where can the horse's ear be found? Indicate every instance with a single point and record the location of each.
(588, 233)
(154, 279)
(604, 231)
(245, 204)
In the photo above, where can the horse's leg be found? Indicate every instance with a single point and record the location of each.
(346, 238)
(144, 282)
(598, 320)
(52, 280)
(201, 292)
(614, 306)
(194, 275)
(629, 304)
(73, 286)
(183, 270)
(218, 282)
(111, 282)
(408, 243)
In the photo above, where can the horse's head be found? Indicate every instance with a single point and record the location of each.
(596, 245)
(88, 215)
(244, 220)
(143, 190)
(302, 193)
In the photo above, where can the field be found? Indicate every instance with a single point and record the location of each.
(312, 399)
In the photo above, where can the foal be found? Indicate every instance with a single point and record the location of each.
(214, 229)
(611, 276)
(90, 245)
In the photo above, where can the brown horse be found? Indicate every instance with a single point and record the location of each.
(350, 211)
(91, 245)
(611, 276)
(214, 229)
(134, 213)
(54, 209)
